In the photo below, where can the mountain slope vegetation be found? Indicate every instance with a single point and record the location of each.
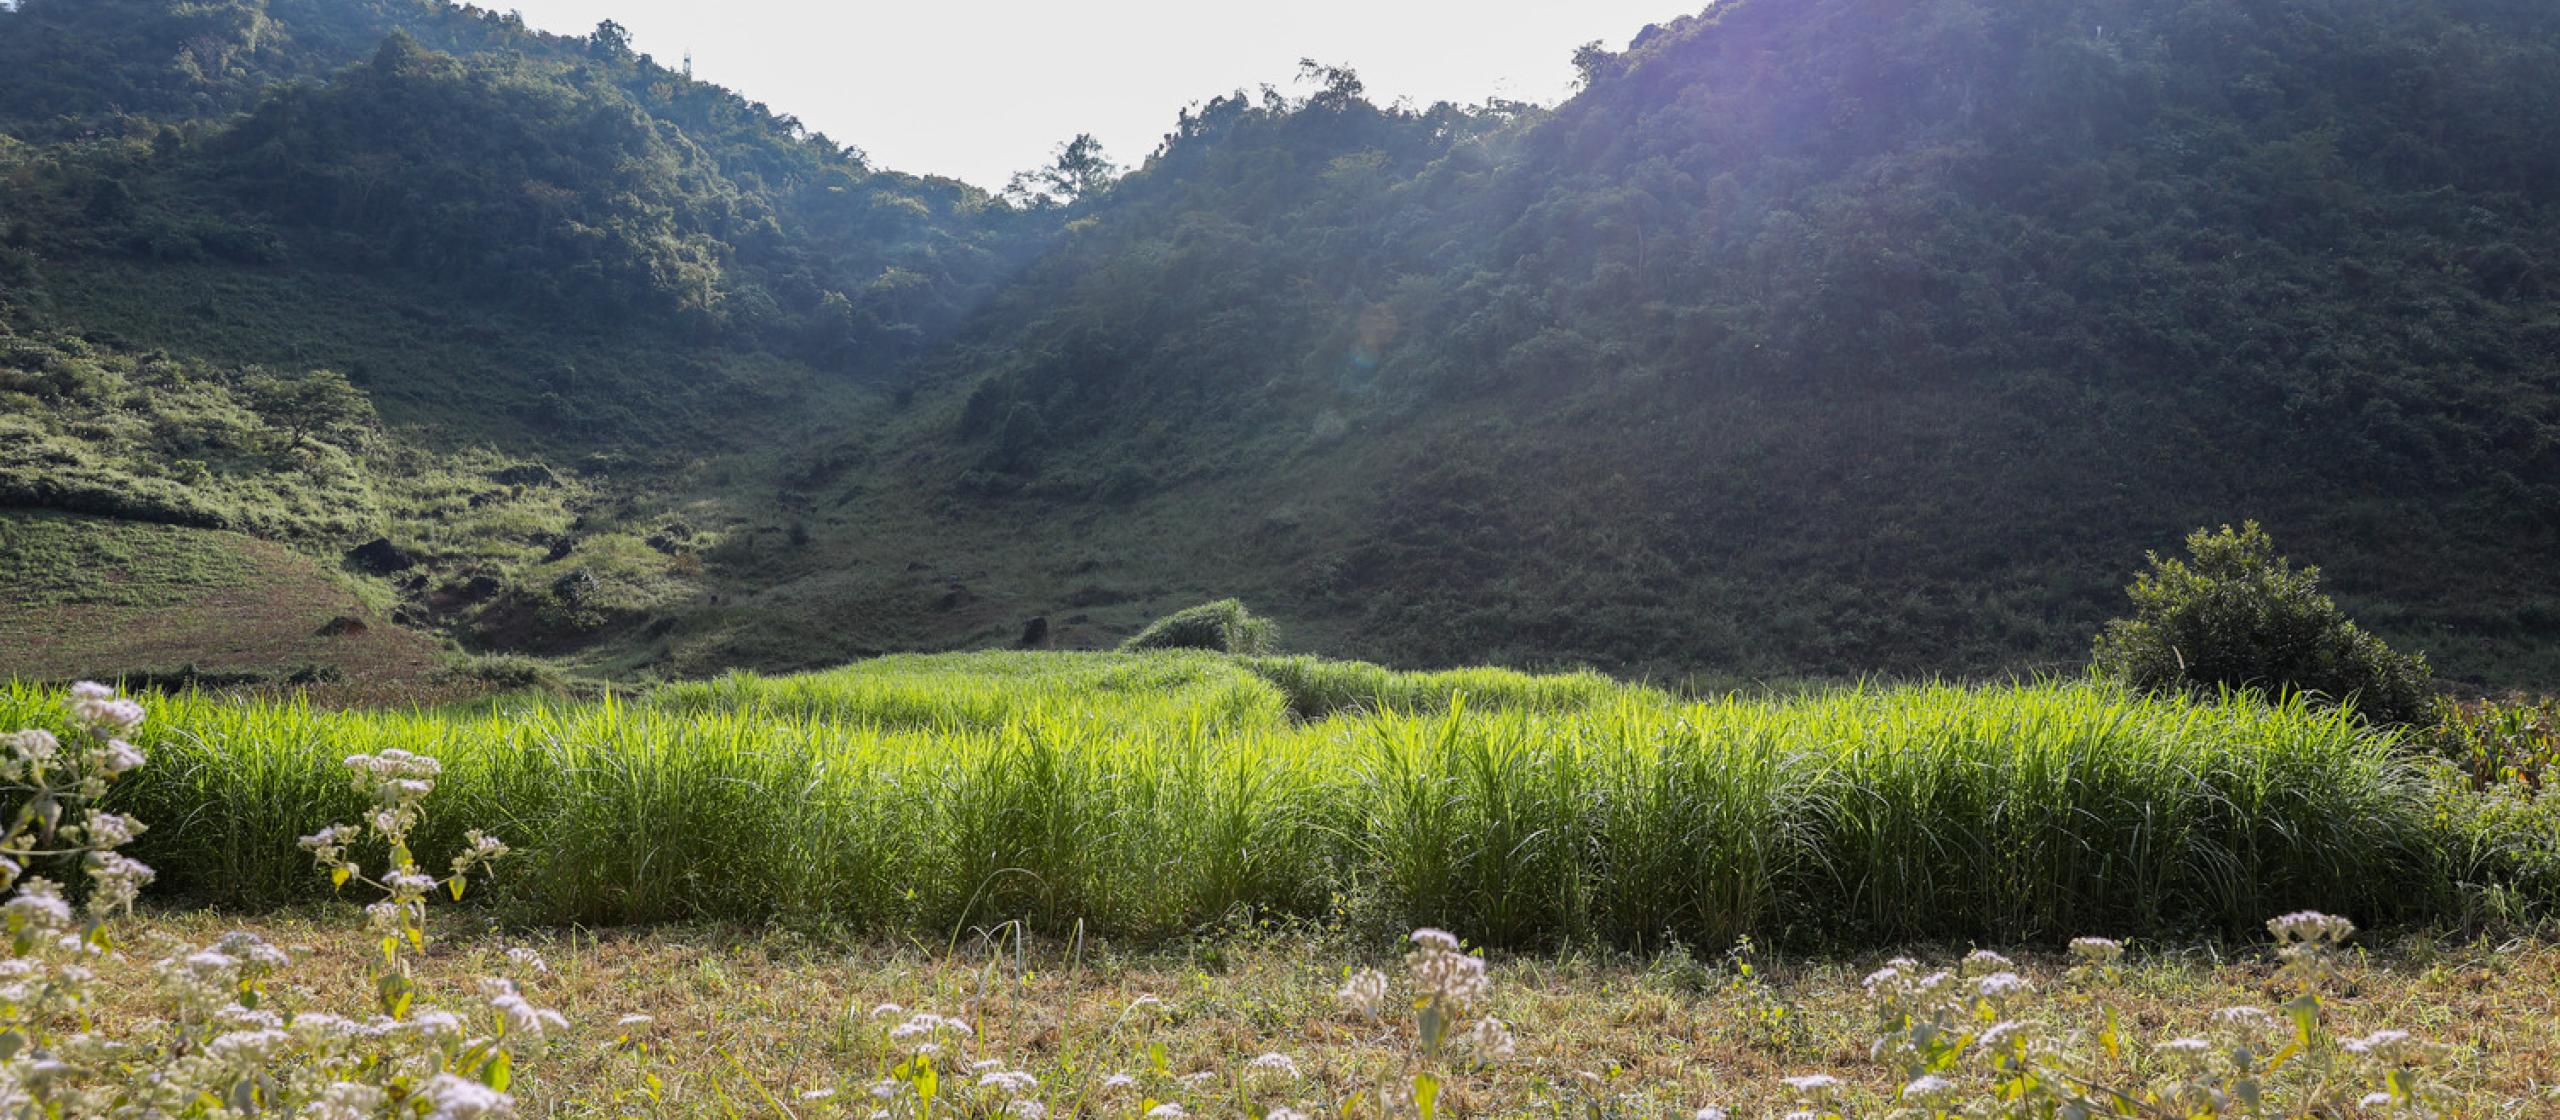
(1825, 338)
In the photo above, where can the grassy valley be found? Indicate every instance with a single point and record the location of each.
(531, 584)
(1695, 374)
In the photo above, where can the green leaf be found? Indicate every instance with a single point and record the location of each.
(1426, 1095)
(499, 1071)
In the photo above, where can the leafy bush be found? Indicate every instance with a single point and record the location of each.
(1223, 626)
(2239, 616)
(510, 671)
(2514, 742)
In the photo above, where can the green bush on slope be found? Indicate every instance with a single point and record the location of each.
(2237, 616)
(1222, 627)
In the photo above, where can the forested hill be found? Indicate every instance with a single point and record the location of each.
(1828, 336)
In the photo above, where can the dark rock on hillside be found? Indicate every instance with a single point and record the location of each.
(381, 557)
(1035, 633)
(530, 474)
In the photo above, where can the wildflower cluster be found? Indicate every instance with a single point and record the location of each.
(48, 976)
(930, 1068)
(1966, 1045)
(224, 1045)
(1447, 984)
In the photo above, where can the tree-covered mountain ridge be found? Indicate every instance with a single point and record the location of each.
(1826, 337)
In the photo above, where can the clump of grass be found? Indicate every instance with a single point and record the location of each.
(986, 690)
(1318, 687)
(1222, 627)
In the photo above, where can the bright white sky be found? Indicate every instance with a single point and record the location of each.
(980, 90)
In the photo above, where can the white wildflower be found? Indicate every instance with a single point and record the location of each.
(1928, 1089)
(522, 1017)
(119, 757)
(2002, 985)
(248, 1049)
(2310, 926)
(2096, 950)
(1439, 940)
(925, 1025)
(1491, 1039)
(2255, 1018)
(1364, 992)
(2386, 1045)
(1443, 972)
(33, 745)
(112, 829)
(2000, 1035)
(119, 878)
(252, 951)
(433, 1024)
(455, 1098)
(1813, 1084)
(1168, 1111)
(408, 884)
(96, 706)
(1009, 1082)
(1273, 1063)
(38, 905)
(347, 1100)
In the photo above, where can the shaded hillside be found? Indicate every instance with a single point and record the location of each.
(1846, 336)
(1820, 337)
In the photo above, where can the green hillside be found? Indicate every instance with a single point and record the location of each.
(1817, 338)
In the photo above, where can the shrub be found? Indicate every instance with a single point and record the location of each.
(2514, 742)
(1223, 626)
(510, 671)
(2236, 615)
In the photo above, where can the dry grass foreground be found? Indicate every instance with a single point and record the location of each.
(746, 1021)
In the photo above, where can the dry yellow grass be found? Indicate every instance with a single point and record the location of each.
(741, 1013)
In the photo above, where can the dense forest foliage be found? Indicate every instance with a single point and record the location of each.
(1856, 328)
(1814, 337)
(569, 173)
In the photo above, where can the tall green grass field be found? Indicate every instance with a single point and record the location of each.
(1151, 794)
